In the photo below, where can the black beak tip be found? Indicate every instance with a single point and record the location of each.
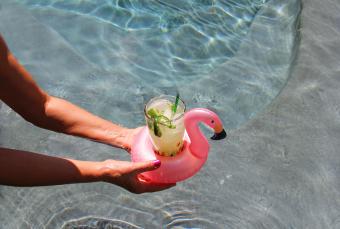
(219, 136)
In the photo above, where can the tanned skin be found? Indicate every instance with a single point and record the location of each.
(21, 168)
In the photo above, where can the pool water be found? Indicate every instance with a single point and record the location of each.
(172, 41)
(111, 57)
(230, 56)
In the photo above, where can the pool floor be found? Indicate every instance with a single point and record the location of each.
(278, 169)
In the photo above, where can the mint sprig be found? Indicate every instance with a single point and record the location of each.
(158, 118)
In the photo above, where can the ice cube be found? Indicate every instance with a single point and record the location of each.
(168, 112)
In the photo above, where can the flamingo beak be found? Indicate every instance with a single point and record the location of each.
(219, 133)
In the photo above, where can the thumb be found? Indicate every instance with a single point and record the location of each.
(144, 166)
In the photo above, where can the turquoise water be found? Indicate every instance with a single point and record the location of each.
(230, 56)
(111, 57)
(170, 41)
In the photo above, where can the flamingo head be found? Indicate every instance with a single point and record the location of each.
(210, 119)
(215, 123)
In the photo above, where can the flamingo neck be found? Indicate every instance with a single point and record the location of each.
(199, 145)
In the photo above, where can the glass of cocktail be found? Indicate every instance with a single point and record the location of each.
(165, 120)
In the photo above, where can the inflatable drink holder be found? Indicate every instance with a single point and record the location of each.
(193, 154)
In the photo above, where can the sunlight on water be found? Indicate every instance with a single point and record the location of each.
(175, 40)
(111, 57)
(204, 49)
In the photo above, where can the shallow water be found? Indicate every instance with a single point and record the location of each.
(241, 50)
(169, 41)
(278, 170)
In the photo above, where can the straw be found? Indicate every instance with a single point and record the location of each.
(174, 108)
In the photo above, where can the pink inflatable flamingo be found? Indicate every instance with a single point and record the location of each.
(193, 156)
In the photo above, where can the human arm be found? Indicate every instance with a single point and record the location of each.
(22, 168)
(19, 91)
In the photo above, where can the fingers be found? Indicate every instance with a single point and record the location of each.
(140, 167)
(130, 136)
(139, 183)
(147, 186)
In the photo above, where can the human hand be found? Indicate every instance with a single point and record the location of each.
(128, 175)
(129, 137)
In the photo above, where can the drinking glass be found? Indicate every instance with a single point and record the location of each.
(165, 124)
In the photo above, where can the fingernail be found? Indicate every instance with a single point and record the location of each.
(156, 163)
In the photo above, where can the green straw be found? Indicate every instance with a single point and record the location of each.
(174, 108)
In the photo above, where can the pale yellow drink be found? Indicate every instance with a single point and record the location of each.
(166, 128)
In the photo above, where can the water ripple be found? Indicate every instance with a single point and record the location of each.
(242, 50)
(95, 223)
(192, 30)
(236, 61)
